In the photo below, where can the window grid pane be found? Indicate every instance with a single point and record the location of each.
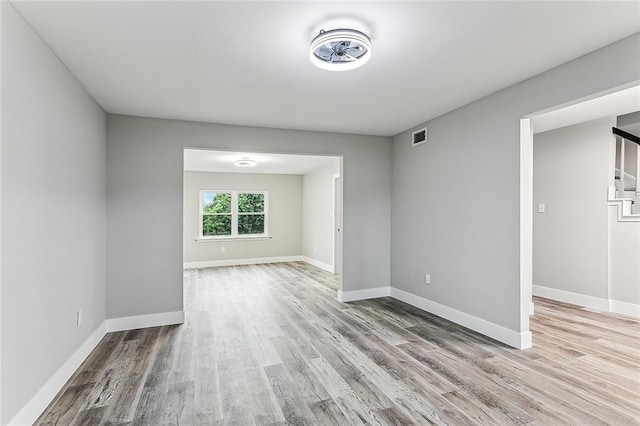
(213, 202)
(213, 225)
(250, 203)
(251, 224)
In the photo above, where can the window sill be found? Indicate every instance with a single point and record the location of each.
(217, 239)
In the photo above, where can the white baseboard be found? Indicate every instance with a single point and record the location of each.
(238, 262)
(625, 308)
(34, 408)
(590, 302)
(145, 321)
(258, 261)
(495, 331)
(318, 264)
(367, 293)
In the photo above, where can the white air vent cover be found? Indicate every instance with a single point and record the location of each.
(419, 137)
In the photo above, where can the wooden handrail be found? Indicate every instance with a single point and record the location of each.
(626, 135)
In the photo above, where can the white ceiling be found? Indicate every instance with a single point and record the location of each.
(198, 160)
(247, 62)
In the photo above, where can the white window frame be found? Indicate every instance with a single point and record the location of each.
(234, 216)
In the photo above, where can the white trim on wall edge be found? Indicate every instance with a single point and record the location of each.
(495, 331)
(367, 293)
(238, 262)
(318, 264)
(145, 321)
(36, 406)
(590, 302)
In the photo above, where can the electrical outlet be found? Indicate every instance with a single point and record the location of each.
(541, 208)
(79, 318)
(427, 279)
(223, 249)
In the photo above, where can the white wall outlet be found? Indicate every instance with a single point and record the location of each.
(223, 249)
(79, 318)
(541, 208)
(427, 278)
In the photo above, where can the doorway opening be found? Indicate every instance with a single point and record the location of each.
(244, 208)
(575, 161)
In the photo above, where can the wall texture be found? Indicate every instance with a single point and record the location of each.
(53, 213)
(317, 213)
(455, 200)
(624, 259)
(145, 167)
(571, 239)
(285, 216)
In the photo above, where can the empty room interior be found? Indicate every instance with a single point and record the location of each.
(336, 213)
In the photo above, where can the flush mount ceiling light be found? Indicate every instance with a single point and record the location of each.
(340, 49)
(245, 162)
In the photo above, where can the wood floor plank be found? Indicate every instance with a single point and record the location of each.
(270, 345)
(484, 393)
(294, 409)
(155, 386)
(236, 397)
(328, 413)
(93, 367)
(63, 412)
(355, 409)
(207, 397)
(91, 416)
(178, 406)
(122, 407)
(113, 378)
(296, 363)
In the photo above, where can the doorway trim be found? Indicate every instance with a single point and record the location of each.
(527, 129)
(336, 213)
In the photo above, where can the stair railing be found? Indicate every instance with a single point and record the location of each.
(620, 182)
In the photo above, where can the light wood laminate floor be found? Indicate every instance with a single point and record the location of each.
(270, 345)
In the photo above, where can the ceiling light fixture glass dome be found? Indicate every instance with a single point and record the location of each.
(245, 162)
(340, 49)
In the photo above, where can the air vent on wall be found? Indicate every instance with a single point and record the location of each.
(419, 137)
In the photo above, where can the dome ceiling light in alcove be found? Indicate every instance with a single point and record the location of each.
(340, 49)
(245, 162)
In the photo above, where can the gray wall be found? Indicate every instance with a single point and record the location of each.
(455, 200)
(145, 167)
(53, 213)
(624, 284)
(285, 216)
(317, 205)
(571, 238)
(628, 122)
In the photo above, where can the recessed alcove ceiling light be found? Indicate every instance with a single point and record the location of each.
(245, 162)
(340, 49)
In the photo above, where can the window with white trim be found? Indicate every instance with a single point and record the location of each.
(233, 214)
